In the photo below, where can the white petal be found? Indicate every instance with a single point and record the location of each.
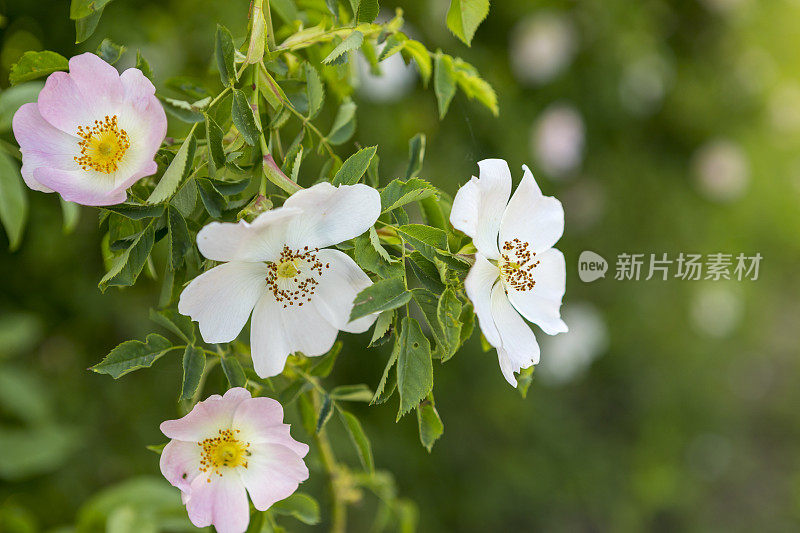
(332, 214)
(479, 205)
(480, 280)
(337, 290)
(222, 501)
(262, 240)
(221, 299)
(542, 304)
(519, 348)
(532, 217)
(273, 473)
(277, 332)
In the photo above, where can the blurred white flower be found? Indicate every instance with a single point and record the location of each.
(542, 47)
(569, 355)
(716, 310)
(721, 170)
(584, 204)
(644, 84)
(709, 455)
(394, 82)
(557, 140)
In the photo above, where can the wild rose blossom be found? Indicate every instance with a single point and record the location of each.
(299, 292)
(92, 133)
(226, 447)
(517, 271)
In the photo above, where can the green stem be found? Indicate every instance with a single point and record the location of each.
(328, 459)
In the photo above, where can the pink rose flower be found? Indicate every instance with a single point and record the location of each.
(92, 134)
(226, 447)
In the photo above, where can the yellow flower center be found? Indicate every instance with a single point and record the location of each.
(102, 145)
(293, 278)
(516, 265)
(224, 450)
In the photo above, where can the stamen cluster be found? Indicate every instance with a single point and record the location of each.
(224, 450)
(292, 279)
(102, 145)
(516, 265)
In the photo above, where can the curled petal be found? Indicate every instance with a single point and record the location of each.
(273, 473)
(542, 304)
(479, 205)
(332, 214)
(337, 290)
(260, 241)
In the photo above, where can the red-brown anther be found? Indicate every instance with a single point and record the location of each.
(294, 276)
(516, 265)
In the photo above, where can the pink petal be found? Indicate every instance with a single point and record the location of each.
(273, 473)
(207, 417)
(180, 463)
(79, 186)
(220, 501)
(98, 82)
(260, 420)
(63, 105)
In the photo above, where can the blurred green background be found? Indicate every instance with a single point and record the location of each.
(670, 406)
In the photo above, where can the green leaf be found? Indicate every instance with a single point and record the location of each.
(315, 90)
(180, 325)
(194, 363)
(243, 119)
(12, 98)
(352, 393)
(144, 66)
(224, 51)
(182, 110)
(416, 154)
(382, 328)
(420, 233)
(185, 200)
(444, 82)
(13, 200)
(448, 313)
(426, 272)
(464, 17)
(414, 366)
(296, 165)
(348, 44)
(212, 199)
(258, 40)
(273, 172)
(325, 365)
(429, 422)
(399, 193)
(367, 10)
(109, 51)
(359, 438)
(156, 448)
(355, 167)
(417, 51)
(381, 296)
(388, 382)
(233, 371)
(474, 86)
(370, 258)
(179, 240)
(325, 412)
(84, 27)
(216, 152)
(34, 65)
(126, 267)
(300, 506)
(175, 172)
(344, 124)
(133, 355)
(136, 211)
(79, 9)
(393, 44)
